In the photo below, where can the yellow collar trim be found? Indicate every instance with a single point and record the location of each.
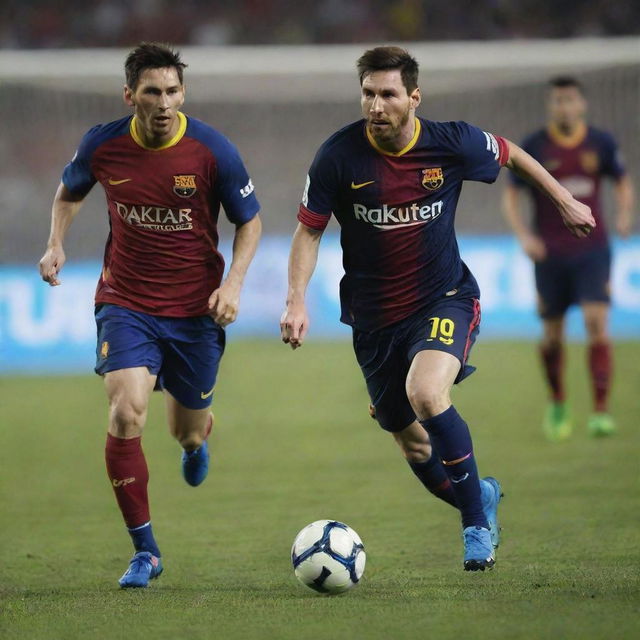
(567, 141)
(182, 127)
(410, 145)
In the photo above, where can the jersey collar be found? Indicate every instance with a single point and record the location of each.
(570, 141)
(182, 127)
(410, 145)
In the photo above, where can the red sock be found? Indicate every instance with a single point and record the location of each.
(553, 363)
(601, 367)
(127, 470)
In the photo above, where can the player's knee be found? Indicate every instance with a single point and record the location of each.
(126, 417)
(428, 402)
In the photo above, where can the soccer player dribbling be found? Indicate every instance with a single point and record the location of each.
(161, 304)
(392, 181)
(568, 271)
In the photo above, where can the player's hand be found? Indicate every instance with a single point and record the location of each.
(294, 324)
(577, 217)
(51, 263)
(224, 303)
(624, 224)
(534, 247)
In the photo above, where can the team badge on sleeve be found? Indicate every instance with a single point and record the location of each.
(432, 178)
(184, 186)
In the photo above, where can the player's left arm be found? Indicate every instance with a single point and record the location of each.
(625, 198)
(576, 215)
(225, 300)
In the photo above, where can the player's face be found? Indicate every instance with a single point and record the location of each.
(156, 100)
(567, 107)
(388, 109)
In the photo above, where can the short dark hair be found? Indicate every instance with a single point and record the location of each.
(564, 82)
(386, 58)
(151, 55)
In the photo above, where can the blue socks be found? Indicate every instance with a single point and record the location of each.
(450, 437)
(143, 540)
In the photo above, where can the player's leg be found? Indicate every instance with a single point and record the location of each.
(417, 451)
(192, 352)
(440, 342)
(555, 287)
(384, 367)
(127, 357)
(592, 278)
(557, 419)
(191, 428)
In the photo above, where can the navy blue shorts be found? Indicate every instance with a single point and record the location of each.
(450, 325)
(184, 353)
(563, 281)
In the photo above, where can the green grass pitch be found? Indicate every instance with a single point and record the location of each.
(293, 443)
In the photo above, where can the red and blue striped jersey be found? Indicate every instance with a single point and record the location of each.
(161, 255)
(396, 212)
(578, 162)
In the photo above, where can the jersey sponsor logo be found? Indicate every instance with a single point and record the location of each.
(432, 178)
(387, 217)
(247, 190)
(114, 182)
(122, 483)
(155, 218)
(184, 185)
(579, 186)
(362, 184)
(104, 349)
(492, 145)
(589, 161)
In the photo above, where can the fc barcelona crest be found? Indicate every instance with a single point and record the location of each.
(432, 178)
(184, 186)
(589, 161)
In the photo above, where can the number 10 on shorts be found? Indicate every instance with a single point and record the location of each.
(441, 329)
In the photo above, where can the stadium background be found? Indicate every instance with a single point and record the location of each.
(293, 441)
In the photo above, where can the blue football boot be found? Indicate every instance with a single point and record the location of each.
(491, 492)
(478, 550)
(143, 567)
(195, 464)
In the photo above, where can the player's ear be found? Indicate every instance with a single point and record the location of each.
(416, 97)
(127, 96)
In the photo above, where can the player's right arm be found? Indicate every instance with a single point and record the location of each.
(66, 205)
(302, 263)
(531, 244)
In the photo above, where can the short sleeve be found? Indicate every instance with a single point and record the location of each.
(77, 175)
(235, 188)
(611, 159)
(320, 192)
(482, 153)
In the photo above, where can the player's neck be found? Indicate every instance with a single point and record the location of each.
(151, 140)
(567, 134)
(405, 140)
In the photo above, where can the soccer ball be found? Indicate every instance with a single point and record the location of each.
(328, 556)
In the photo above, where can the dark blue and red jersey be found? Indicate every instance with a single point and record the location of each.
(162, 253)
(396, 212)
(578, 162)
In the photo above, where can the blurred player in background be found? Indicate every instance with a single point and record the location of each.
(392, 181)
(570, 271)
(161, 304)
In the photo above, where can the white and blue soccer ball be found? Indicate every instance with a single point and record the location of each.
(328, 556)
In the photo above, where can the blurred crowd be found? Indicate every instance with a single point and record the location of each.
(120, 23)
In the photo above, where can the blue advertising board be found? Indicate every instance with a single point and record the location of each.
(51, 329)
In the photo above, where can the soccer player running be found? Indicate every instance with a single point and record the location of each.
(392, 181)
(161, 304)
(570, 271)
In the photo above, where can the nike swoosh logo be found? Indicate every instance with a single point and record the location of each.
(204, 396)
(114, 182)
(460, 479)
(362, 184)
